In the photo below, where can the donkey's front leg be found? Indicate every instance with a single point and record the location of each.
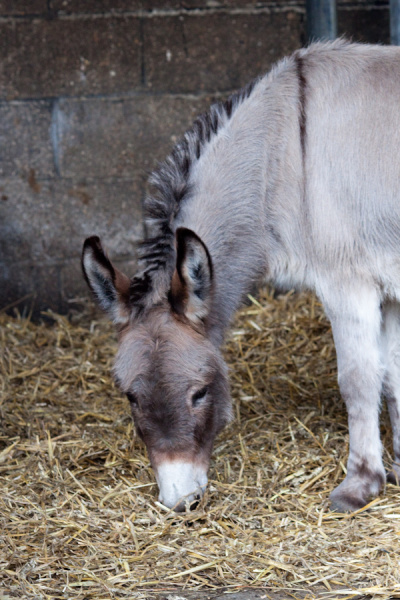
(391, 385)
(356, 323)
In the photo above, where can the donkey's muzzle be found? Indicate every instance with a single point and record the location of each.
(181, 484)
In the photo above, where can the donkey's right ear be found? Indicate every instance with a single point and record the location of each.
(110, 287)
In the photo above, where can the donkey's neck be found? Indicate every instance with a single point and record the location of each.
(227, 206)
(238, 186)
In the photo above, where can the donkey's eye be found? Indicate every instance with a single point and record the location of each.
(199, 395)
(132, 399)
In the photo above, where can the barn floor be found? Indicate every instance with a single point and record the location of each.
(245, 594)
(79, 514)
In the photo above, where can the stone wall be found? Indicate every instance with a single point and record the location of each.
(93, 93)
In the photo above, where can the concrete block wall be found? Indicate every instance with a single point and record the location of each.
(94, 92)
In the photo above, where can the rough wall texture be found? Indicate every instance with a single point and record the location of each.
(94, 92)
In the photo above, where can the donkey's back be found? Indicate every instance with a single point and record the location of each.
(351, 155)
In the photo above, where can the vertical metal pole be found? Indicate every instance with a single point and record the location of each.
(322, 19)
(395, 22)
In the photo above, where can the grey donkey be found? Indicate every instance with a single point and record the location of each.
(295, 181)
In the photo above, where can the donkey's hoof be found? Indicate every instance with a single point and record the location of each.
(393, 476)
(345, 503)
(355, 492)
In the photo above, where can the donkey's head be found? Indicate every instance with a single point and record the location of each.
(173, 375)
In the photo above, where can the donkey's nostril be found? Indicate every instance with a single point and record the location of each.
(193, 505)
(187, 505)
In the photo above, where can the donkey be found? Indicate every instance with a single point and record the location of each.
(294, 180)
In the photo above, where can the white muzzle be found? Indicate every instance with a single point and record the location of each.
(180, 483)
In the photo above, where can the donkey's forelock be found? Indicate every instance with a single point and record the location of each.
(157, 338)
(133, 356)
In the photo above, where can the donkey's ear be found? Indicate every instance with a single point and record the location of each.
(192, 281)
(110, 287)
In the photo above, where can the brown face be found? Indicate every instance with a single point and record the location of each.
(176, 382)
(173, 375)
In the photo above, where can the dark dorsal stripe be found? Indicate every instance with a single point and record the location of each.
(302, 102)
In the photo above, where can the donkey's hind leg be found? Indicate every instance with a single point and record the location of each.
(391, 384)
(355, 315)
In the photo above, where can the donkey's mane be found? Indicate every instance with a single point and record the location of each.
(170, 182)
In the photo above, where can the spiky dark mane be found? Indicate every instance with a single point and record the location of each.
(170, 184)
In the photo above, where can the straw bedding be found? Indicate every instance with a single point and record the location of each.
(78, 501)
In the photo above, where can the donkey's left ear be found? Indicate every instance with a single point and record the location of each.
(192, 281)
(109, 286)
